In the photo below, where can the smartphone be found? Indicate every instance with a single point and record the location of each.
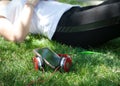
(49, 56)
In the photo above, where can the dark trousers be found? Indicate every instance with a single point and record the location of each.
(89, 26)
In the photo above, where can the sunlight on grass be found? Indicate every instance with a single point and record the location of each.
(91, 67)
(42, 42)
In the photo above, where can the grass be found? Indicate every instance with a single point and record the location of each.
(91, 67)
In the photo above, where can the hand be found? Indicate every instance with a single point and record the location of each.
(32, 2)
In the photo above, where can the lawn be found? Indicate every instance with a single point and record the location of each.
(91, 67)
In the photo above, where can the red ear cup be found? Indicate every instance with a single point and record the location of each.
(66, 62)
(38, 62)
(35, 61)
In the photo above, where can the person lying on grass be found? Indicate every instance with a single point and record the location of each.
(65, 23)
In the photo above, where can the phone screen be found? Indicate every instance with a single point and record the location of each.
(49, 56)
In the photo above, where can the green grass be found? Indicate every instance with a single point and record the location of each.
(91, 67)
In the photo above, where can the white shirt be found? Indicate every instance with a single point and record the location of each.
(3, 11)
(49, 14)
(45, 18)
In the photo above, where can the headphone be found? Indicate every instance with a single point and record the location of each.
(65, 62)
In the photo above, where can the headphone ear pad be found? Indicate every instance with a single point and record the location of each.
(38, 62)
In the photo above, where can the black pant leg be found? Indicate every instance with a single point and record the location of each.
(90, 38)
(107, 18)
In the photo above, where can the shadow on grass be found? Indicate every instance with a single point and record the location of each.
(107, 55)
(85, 66)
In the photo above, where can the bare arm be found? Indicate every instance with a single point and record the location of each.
(17, 32)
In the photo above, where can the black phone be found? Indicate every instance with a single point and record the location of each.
(49, 56)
